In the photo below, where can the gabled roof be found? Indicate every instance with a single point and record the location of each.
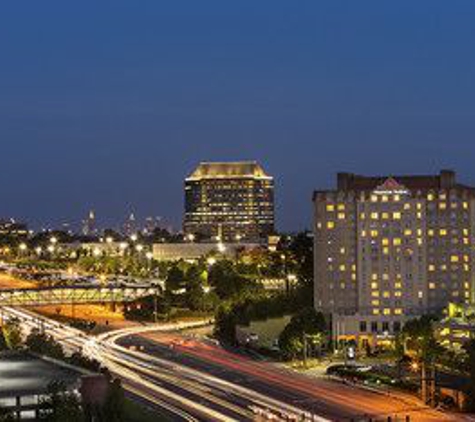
(231, 170)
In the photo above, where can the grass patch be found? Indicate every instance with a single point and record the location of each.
(135, 412)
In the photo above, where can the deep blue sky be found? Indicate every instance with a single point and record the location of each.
(109, 104)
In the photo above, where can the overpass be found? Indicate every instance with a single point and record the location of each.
(76, 294)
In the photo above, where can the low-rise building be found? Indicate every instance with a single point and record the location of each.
(457, 327)
(26, 382)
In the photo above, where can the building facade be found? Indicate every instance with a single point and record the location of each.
(391, 248)
(229, 201)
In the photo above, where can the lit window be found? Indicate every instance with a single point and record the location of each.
(398, 311)
(330, 225)
(397, 241)
(341, 216)
(397, 216)
(397, 198)
(432, 286)
(387, 311)
(341, 207)
(442, 206)
(374, 216)
(465, 205)
(385, 216)
(374, 198)
(430, 197)
(375, 311)
(408, 232)
(407, 206)
(385, 241)
(431, 267)
(443, 232)
(454, 259)
(374, 233)
(330, 207)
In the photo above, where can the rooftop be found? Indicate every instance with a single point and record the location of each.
(231, 170)
(23, 374)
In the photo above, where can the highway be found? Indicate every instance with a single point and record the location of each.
(180, 391)
(331, 400)
(188, 379)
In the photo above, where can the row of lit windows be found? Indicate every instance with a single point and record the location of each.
(387, 311)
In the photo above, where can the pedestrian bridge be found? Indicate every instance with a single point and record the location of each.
(76, 295)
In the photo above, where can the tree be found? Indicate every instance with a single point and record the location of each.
(175, 280)
(306, 325)
(12, 333)
(44, 344)
(469, 348)
(113, 409)
(228, 283)
(194, 297)
(61, 405)
(419, 341)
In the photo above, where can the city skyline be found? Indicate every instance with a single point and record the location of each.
(114, 120)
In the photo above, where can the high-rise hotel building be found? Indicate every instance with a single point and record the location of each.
(231, 201)
(391, 248)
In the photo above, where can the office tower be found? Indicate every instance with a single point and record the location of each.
(229, 201)
(89, 225)
(391, 248)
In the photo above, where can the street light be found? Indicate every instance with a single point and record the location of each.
(211, 261)
(134, 238)
(221, 247)
(149, 255)
(139, 248)
(23, 247)
(38, 250)
(53, 240)
(190, 237)
(109, 240)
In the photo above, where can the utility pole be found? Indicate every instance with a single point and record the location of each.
(155, 307)
(305, 345)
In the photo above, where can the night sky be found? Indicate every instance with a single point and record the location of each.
(110, 104)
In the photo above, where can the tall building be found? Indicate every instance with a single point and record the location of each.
(130, 225)
(89, 224)
(391, 248)
(231, 201)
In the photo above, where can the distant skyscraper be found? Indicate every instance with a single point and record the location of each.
(392, 248)
(130, 225)
(151, 223)
(233, 201)
(89, 224)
